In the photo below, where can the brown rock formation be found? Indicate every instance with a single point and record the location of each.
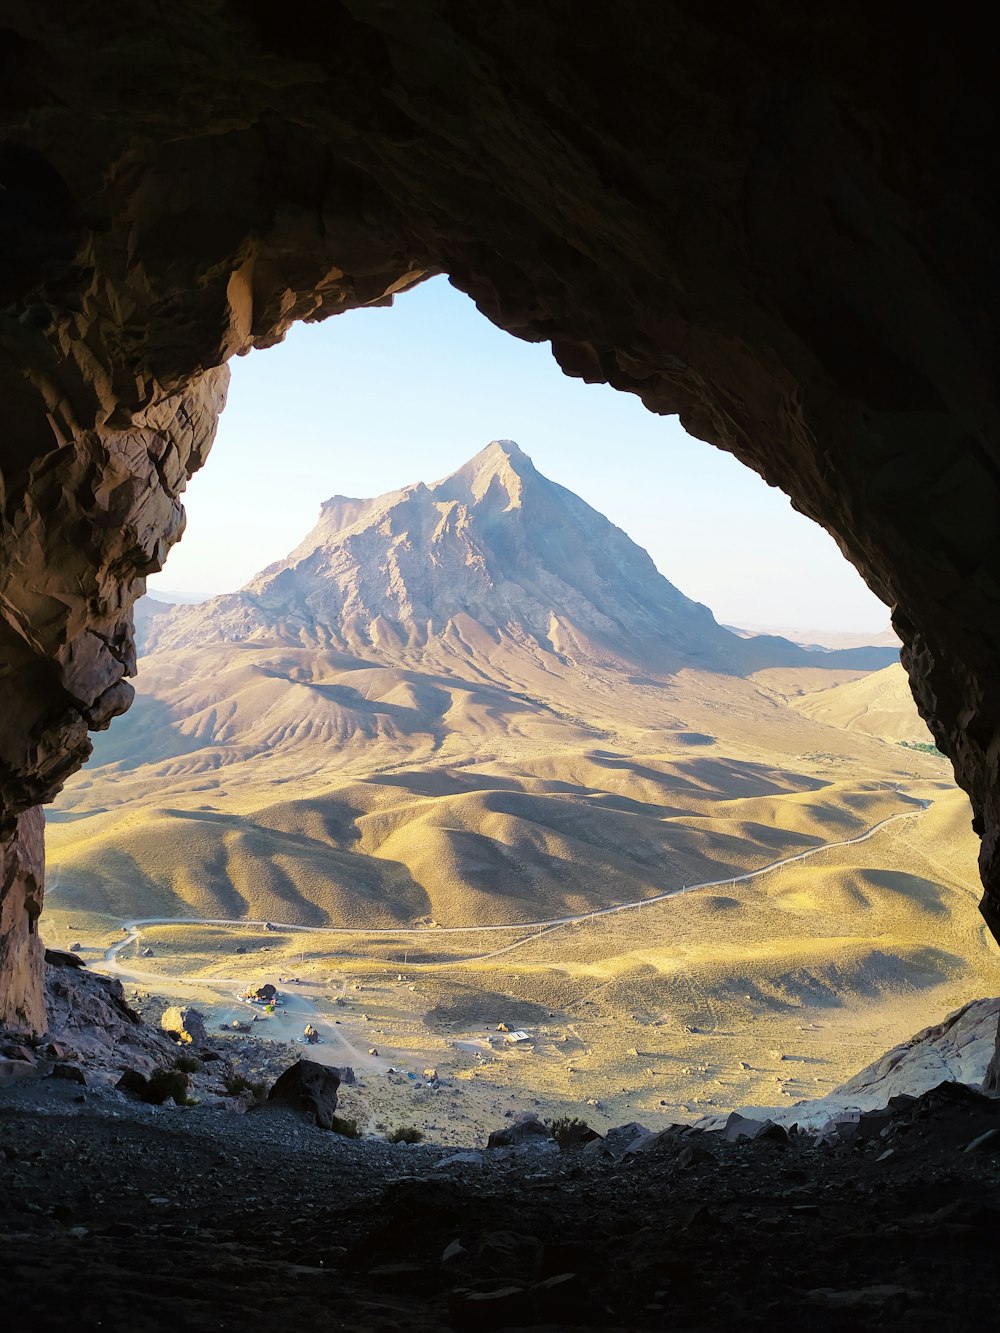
(22, 1004)
(776, 223)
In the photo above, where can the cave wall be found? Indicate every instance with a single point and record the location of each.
(779, 223)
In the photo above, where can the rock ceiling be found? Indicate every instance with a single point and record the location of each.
(780, 223)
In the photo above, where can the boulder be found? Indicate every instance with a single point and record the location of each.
(742, 1127)
(185, 1025)
(527, 1131)
(12, 1071)
(64, 957)
(162, 1085)
(663, 1139)
(618, 1141)
(310, 1088)
(69, 1072)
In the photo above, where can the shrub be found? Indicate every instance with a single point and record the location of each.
(348, 1129)
(167, 1083)
(406, 1134)
(234, 1084)
(187, 1064)
(569, 1131)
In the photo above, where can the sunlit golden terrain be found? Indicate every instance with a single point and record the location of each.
(488, 774)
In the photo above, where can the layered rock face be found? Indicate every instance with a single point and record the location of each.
(22, 862)
(776, 224)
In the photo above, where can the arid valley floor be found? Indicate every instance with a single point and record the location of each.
(763, 990)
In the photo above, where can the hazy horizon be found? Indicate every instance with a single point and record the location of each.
(379, 399)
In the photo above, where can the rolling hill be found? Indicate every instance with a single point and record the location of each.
(879, 705)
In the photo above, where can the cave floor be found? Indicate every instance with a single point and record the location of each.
(195, 1220)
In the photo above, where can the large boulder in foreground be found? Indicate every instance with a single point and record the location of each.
(184, 1024)
(308, 1087)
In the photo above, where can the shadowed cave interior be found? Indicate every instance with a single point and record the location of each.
(779, 224)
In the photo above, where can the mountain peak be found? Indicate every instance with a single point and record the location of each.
(494, 563)
(499, 472)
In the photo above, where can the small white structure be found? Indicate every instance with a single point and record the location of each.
(518, 1038)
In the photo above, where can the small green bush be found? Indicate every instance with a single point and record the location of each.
(187, 1064)
(348, 1129)
(405, 1134)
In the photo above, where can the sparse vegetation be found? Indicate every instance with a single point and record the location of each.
(925, 747)
(165, 1084)
(187, 1064)
(405, 1134)
(569, 1131)
(234, 1084)
(348, 1129)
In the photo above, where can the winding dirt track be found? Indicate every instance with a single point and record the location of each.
(134, 927)
(336, 1047)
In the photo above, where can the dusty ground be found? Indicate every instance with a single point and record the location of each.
(129, 1219)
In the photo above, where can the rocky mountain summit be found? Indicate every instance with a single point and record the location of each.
(493, 559)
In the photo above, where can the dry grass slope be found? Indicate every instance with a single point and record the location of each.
(879, 704)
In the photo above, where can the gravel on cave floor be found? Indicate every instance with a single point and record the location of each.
(128, 1219)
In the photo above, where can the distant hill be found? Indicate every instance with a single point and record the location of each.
(825, 641)
(880, 704)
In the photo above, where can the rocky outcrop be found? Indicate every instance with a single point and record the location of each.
(88, 1015)
(22, 861)
(962, 1050)
(740, 217)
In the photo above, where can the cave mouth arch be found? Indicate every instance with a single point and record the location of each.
(741, 234)
(654, 989)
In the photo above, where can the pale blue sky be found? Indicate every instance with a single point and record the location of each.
(376, 399)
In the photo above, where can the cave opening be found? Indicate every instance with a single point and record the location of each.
(779, 225)
(751, 766)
